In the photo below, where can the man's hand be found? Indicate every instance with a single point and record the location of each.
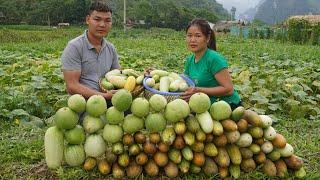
(108, 95)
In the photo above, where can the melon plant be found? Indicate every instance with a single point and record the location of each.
(122, 100)
(75, 135)
(53, 147)
(114, 116)
(65, 118)
(140, 107)
(132, 124)
(96, 105)
(176, 110)
(157, 102)
(77, 103)
(155, 122)
(199, 102)
(220, 110)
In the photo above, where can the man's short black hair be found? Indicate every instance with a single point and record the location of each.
(100, 7)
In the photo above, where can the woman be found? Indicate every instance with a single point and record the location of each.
(207, 68)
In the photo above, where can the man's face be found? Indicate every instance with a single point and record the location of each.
(99, 23)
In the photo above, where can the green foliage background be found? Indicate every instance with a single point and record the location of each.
(173, 14)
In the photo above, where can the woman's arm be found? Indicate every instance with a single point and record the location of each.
(225, 82)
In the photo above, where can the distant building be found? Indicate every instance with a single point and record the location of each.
(225, 26)
(233, 13)
(63, 25)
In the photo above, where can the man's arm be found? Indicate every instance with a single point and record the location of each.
(72, 77)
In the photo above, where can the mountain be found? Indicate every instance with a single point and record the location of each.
(251, 12)
(276, 11)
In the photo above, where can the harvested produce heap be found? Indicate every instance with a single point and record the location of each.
(171, 137)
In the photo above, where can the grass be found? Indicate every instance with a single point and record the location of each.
(21, 145)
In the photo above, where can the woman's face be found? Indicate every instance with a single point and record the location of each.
(196, 40)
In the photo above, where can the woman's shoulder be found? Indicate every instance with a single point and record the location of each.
(214, 53)
(215, 56)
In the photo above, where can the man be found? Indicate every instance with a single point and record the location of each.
(89, 57)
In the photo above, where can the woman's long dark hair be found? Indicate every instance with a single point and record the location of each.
(206, 30)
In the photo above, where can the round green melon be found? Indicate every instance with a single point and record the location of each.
(92, 124)
(176, 110)
(65, 118)
(132, 124)
(96, 105)
(158, 102)
(220, 110)
(199, 102)
(77, 103)
(155, 122)
(140, 107)
(112, 133)
(74, 155)
(122, 100)
(75, 135)
(107, 85)
(114, 116)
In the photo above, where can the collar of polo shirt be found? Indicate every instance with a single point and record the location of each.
(89, 45)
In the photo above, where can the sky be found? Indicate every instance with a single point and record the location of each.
(240, 5)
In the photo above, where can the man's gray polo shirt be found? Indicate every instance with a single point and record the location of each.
(80, 55)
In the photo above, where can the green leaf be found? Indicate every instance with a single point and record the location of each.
(244, 76)
(316, 83)
(259, 98)
(38, 78)
(2, 72)
(259, 110)
(296, 88)
(292, 102)
(20, 114)
(300, 95)
(274, 107)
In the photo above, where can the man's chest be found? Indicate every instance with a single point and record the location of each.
(94, 63)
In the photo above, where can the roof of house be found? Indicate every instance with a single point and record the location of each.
(311, 18)
(225, 25)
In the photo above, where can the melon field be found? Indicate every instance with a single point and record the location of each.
(277, 79)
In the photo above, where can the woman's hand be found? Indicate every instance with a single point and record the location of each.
(188, 93)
